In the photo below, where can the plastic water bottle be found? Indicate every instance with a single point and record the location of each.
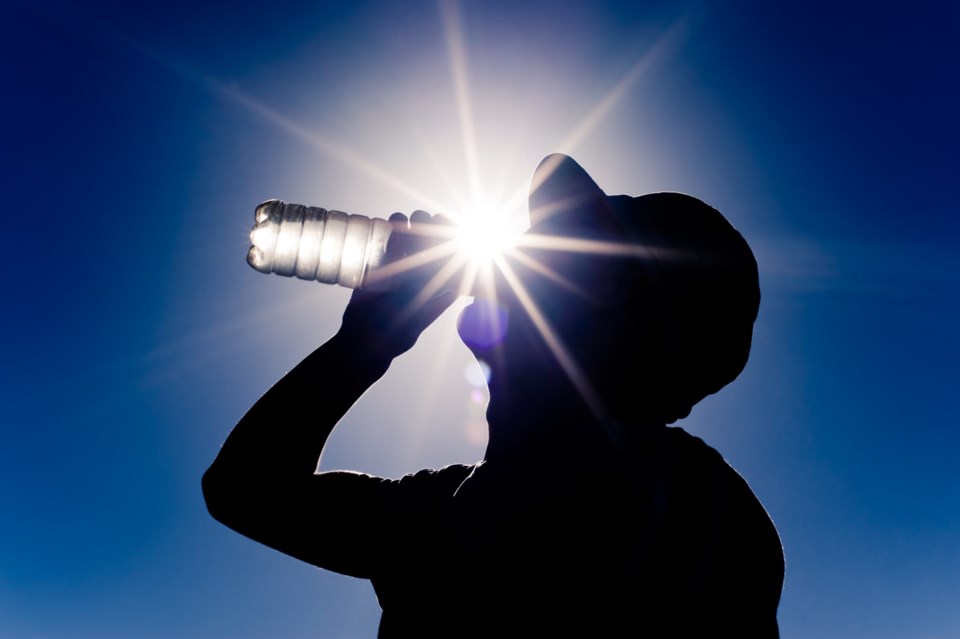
(312, 243)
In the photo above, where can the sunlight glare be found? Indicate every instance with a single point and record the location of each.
(482, 236)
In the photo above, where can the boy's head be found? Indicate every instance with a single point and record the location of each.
(654, 299)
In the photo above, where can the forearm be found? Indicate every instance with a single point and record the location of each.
(264, 484)
(282, 435)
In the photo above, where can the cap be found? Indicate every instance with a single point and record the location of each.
(699, 277)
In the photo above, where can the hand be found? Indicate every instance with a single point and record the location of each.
(390, 321)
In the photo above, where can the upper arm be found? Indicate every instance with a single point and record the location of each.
(347, 522)
(332, 520)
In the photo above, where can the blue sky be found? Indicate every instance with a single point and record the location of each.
(136, 142)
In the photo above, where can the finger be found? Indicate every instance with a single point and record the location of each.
(445, 227)
(420, 217)
(421, 230)
(440, 218)
(398, 246)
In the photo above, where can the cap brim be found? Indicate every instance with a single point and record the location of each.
(560, 190)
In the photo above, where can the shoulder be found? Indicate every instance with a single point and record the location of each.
(431, 485)
(700, 469)
(720, 504)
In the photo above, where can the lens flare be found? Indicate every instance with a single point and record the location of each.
(482, 236)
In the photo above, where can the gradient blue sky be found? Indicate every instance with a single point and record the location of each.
(137, 140)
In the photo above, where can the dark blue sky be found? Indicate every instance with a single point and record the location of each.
(136, 142)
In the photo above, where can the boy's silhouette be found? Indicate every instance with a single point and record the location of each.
(588, 515)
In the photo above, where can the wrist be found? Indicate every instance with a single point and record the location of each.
(360, 350)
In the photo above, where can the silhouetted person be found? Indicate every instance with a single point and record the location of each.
(588, 516)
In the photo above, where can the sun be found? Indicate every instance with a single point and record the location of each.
(482, 235)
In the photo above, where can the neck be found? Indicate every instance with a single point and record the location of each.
(551, 427)
(542, 429)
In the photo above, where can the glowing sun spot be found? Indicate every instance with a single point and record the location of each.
(482, 236)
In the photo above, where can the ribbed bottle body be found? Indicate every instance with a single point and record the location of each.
(312, 243)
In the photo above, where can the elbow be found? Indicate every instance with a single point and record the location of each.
(234, 501)
(219, 496)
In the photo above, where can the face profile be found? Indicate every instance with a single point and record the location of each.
(651, 298)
